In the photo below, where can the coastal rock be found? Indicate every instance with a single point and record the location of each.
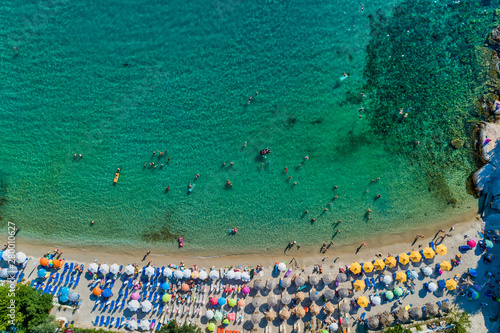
(494, 38)
(457, 143)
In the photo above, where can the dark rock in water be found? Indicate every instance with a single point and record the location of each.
(494, 38)
(457, 143)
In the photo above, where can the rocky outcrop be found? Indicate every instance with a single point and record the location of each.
(494, 38)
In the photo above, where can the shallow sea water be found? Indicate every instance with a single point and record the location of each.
(190, 70)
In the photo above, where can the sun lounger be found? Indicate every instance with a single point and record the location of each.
(45, 289)
(363, 316)
(158, 326)
(431, 244)
(20, 277)
(96, 321)
(101, 322)
(123, 305)
(77, 281)
(130, 283)
(66, 266)
(156, 296)
(153, 323)
(32, 283)
(368, 283)
(117, 322)
(111, 321)
(72, 280)
(439, 304)
(372, 280)
(55, 290)
(71, 267)
(112, 305)
(150, 296)
(66, 281)
(126, 294)
(107, 321)
(101, 306)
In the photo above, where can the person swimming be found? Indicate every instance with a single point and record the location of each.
(265, 151)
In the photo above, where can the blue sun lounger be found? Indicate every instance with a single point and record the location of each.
(96, 321)
(45, 290)
(143, 270)
(158, 327)
(372, 281)
(56, 277)
(72, 280)
(101, 322)
(117, 305)
(112, 305)
(32, 283)
(130, 284)
(66, 266)
(66, 281)
(126, 294)
(156, 296)
(123, 305)
(123, 322)
(368, 283)
(431, 244)
(55, 290)
(107, 321)
(111, 321)
(20, 277)
(71, 267)
(363, 316)
(150, 296)
(117, 322)
(153, 323)
(77, 281)
(101, 306)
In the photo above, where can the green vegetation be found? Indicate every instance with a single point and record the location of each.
(461, 320)
(172, 327)
(397, 329)
(31, 309)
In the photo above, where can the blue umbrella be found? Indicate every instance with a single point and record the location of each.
(165, 286)
(64, 291)
(222, 301)
(472, 272)
(107, 293)
(63, 298)
(41, 272)
(73, 297)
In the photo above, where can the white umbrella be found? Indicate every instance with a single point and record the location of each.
(376, 300)
(245, 277)
(133, 305)
(114, 269)
(209, 314)
(178, 274)
(150, 271)
(333, 327)
(412, 275)
(281, 267)
(7, 254)
(12, 270)
(432, 287)
(132, 325)
(230, 275)
(93, 268)
(237, 275)
(387, 279)
(4, 273)
(167, 272)
(203, 275)
(214, 275)
(104, 269)
(129, 270)
(20, 257)
(186, 273)
(145, 325)
(427, 271)
(146, 306)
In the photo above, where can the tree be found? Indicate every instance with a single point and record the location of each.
(461, 322)
(173, 327)
(397, 329)
(48, 326)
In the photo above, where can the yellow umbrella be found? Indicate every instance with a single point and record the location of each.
(391, 262)
(415, 256)
(429, 253)
(379, 264)
(441, 250)
(445, 266)
(451, 284)
(368, 267)
(363, 301)
(359, 285)
(401, 276)
(404, 259)
(355, 268)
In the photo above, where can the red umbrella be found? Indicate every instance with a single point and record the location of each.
(471, 243)
(231, 316)
(214, 301)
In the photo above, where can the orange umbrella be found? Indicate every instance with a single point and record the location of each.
(241, 302)
(56, 263)
(97, 291)
(44, 261)
(185, 287)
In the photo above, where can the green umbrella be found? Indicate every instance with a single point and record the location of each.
(225, 321)
(218, 316)
(398, 291)
(166, 298)
(211, 327)
(324, 331)
(389, 295)
(489, 244)
(231, 302)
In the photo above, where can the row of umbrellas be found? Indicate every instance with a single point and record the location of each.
(143, 325)
(19, 257)
(55, 263)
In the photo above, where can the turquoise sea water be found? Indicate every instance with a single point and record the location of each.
(116, 81)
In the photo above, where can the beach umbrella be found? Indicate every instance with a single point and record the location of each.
(225, 322)
(343, 292)
(441, 250)
(404, 259)
(65, 291)
(445, 306)
(214, 300)
(149, 271)
(41, 273)
(373, 323)
(245, 290)
(104, 269)
(379, 265)
(431, 309)
(271, 284)
(211, 327)
(7, 254)
(488, 243)
(97, 291)
(299, 281)
(401, 276)
(412, 274)
(415, 256)
(256, 301)
(203, 275)
(178, 274)
(4, 273)
(299, 296)
(368, 267)
(144, 325)
(328, 278)
(258, 285)
(359, 285)
(165, 285)
(12, 270)
(340, 278)
(389, 295)
(387, 279)
(129, 270)
(222, 301)
(73, 297)
(241, 302)
(132, 325)
(390, 262)
(63, 298)
(376, 300)
(107, 293)
(230, 275)
(314, 296)
(284, 314)
(300, 312)
(44, 261)
(314, 309)
(432, 287)
(282, 267)
(272, 301)
(313, 280)
(402, 315)
(451, 284)
(255, 319)
(214, 275)
(329, 294)
(245, 277)
(329, 308)
(166, 298)
(386, 319)
(270, 315)
(427, 271)
(363, 301)
(113, 269)
(167, 272)
(345, 307)
(333, 327)
(445, 266)
(355, 268)
(398, 291)
(185, 287)
(286, 299)
(231, 302)
(56, 263)
(20, 257)
(285, 283)
(93, 268)
(133, 305)
(146, 306)
(428, 253)
(186, 274)
(135, 296)
(237, 275)
(209, 314)
(471, 243)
